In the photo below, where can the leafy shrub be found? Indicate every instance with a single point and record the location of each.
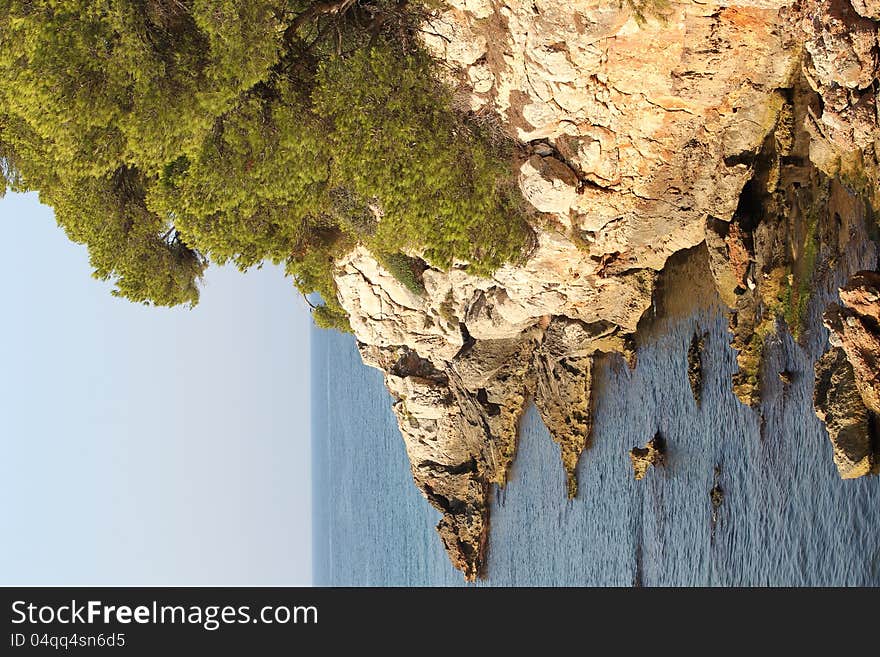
(395, 137)
(405, 269)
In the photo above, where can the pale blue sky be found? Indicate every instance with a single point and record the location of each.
(146, 445)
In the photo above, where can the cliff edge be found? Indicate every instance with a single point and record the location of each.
(641, 130)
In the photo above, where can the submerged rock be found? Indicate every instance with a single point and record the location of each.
(651, 454)
(695, 366)
(716, 496)
(788, 377)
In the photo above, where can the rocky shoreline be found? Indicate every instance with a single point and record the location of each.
(745, 130)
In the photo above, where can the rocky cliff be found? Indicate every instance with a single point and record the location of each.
(847, 392)
(643, 129)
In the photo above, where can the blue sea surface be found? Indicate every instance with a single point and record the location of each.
(786, 519)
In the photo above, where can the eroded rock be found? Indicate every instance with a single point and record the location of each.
(867, 8)
(459, 425)
(855, 327)
(644, 457)
(843, 67)
(563, 370)
(640, 142)
(840, 406)
(549, 185)
(695, 366)
(847, 392)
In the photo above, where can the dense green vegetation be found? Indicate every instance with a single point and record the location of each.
(170, 133)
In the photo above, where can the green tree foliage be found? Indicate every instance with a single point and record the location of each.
(405, 269)
(169, 132)
(255, 188)
(127, 243)
(109, 81)
(396, 138)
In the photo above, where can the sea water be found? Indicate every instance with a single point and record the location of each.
(786, 517)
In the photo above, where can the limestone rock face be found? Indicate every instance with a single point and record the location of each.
(858, 331)
(847, 393)
(839, 405)
(855, 328)
(549, 185)
(652, 119)
(563, 387)
(842, 66)
(556, 280)
(867, 8)
(637, 141)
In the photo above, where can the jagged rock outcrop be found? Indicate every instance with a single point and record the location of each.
(855, 328)
(746, 126)
(847, 392)
(643, 458)
(841, 64)
(459, 420)
(840, 406)
(563, 370)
